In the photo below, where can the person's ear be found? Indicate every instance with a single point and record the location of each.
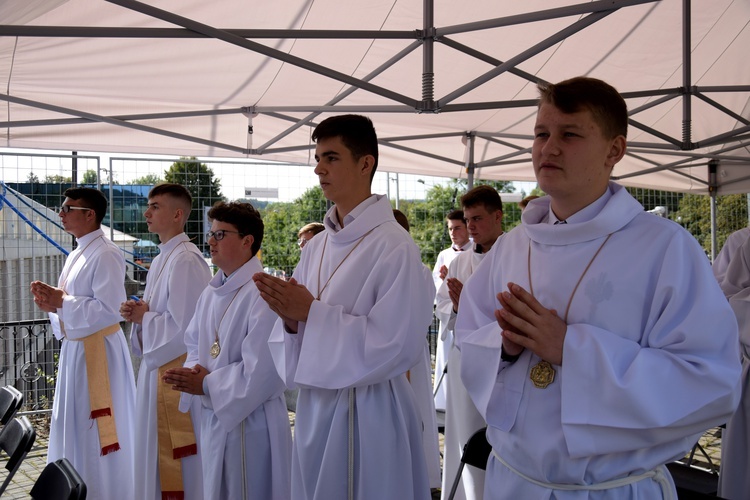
(616, 151)
(248, 241)
(367, 163)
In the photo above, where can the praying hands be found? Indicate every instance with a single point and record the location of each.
(527, 324)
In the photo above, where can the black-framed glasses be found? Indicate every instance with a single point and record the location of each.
(67, 208)
(219, 235)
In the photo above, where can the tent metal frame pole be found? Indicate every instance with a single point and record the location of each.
(105, 119)
(687, 79)
(712, 191)
(344, 94)
(542, 15)
(523, 56)
(428, 56)
(261, 49)
(470, 167)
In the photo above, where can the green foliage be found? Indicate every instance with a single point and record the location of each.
(89, 177)
(694, 214)
(57, 179)
(32, 178)
(282, 221)
(199, 179)
(147, 180)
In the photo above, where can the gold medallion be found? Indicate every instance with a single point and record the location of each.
(542, 374)
(215, 349)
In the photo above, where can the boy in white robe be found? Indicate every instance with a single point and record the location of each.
(460, 243)
(245, 436)
(83, 312)
(175, 280)
(594, 339)
(483, 212)
(731, 245)
(734, 480)
(348, 347)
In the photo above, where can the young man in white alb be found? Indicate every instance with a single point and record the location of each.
(245, 440)
(351, 324)
(94, 407)
(483, 212)
(594, 339)
(460, 242)
(168, 464)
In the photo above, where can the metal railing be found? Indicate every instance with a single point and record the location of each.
(29, 353)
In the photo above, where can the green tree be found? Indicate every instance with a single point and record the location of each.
(199, 179)
(57, 179)
(694, 214)
(32, 178)
(282, 221)
(90, 177)
(146, 180)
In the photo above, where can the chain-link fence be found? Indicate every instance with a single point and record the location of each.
(34, 244)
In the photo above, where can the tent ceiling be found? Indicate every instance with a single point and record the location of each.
(447, 83)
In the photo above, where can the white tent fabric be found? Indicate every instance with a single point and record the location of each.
(450, 85)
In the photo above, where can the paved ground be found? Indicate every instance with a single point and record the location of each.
(36, 460)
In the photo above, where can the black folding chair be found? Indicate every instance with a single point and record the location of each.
(476, 453)
(59, 481)
(16, 439)
(11, 400)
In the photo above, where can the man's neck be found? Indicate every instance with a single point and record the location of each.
(487, 246)
(343, 210)
(85, 232)
(164, 237)
(564, 208)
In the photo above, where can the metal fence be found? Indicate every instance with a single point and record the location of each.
(32, 239)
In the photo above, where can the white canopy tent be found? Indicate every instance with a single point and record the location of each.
(451, 86)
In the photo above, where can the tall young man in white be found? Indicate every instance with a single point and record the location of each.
(245, 441)
(594, 340)
(351, 323)
(168, 464)
(94, 407)
(460, 242)
(734, 480)
(483, 212)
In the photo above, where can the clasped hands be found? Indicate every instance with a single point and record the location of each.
(47, 297)
(290, 300)
(189, 380)
(133, 310)
(527, 324)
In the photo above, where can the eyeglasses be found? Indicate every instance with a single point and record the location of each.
(67, 208)
(219, 235)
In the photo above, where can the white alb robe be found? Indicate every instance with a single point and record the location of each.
(245, 434)
(462, 419)
(445, 334)
(94, 282)
(650, 357)
(360, 338)
(420, 377)
(175, 280)
(734, 480)
(731, 245)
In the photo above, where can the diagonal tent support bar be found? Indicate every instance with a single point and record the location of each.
(721, 108)
(654, 132)
(104, 119)
(523, 56)
(543, 15)
(262, 49)
(125, 118)
(343, 95)
(426, 154)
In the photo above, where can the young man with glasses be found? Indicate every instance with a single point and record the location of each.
(168, 463)
(245, 442)
(594, 338)
(352, 321)
(93, 410)
(307, 232)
